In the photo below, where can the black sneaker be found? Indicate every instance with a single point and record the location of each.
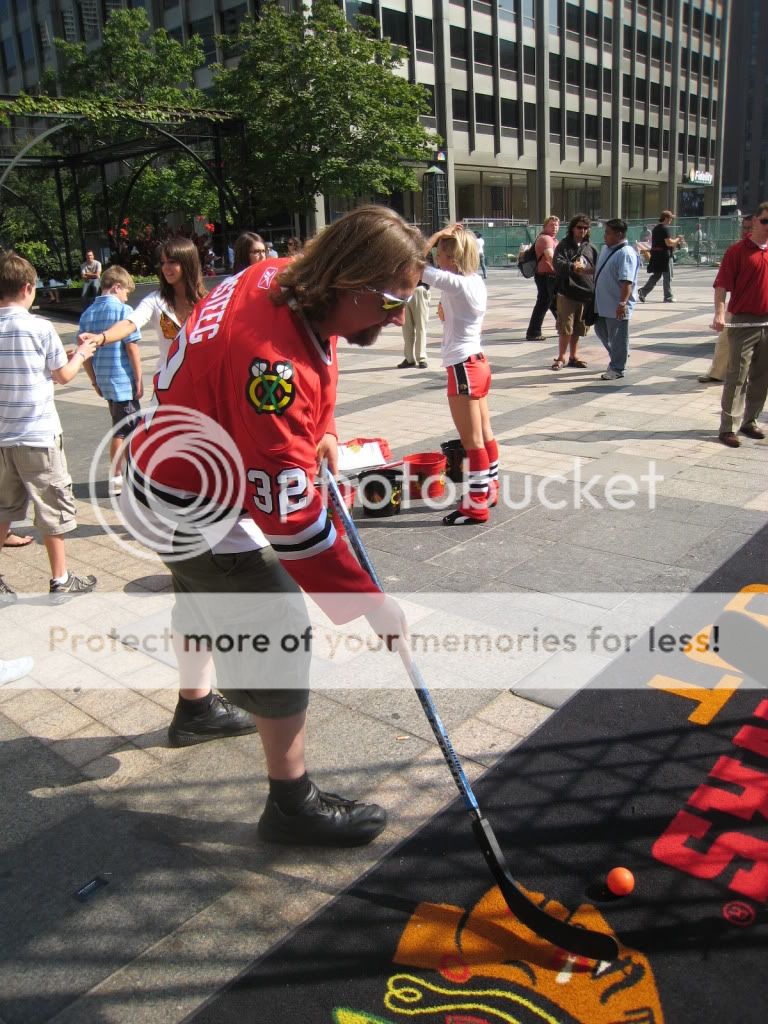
(60, 592)
(222, 719)
(323, 820)
(7, 594)
(406, 364)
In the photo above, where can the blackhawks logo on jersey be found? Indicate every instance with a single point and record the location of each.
(270, 388)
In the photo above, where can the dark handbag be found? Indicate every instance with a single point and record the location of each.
(589, 315)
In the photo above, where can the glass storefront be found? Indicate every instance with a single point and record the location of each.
(570, 196)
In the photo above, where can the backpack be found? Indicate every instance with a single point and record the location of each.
(527, 261)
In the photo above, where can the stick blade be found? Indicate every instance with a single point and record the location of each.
(573, 939)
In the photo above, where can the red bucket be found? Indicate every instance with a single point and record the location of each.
(348, 493)
(426, 473)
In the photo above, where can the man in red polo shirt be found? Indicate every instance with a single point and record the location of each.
(744, 273)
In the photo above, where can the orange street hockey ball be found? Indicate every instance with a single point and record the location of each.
(620, 881)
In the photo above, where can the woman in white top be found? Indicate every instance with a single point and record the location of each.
(181, 286)
(464, 300)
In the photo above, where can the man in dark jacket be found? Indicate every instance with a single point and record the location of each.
(663, 246)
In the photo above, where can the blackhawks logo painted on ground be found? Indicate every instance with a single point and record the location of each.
(485, 967)
(271, 387)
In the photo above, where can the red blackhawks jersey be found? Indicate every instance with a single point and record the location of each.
(258, 372)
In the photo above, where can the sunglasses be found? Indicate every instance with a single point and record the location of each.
(764, 220)
(388, 301)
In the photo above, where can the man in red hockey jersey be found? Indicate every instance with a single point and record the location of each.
(221, 483)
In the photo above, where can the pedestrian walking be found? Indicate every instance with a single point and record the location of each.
(663, 247)
(717, 371)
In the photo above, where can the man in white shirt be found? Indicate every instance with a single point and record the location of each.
(90, 272)
(33, 467)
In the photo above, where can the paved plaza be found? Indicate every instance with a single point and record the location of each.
(91, 788)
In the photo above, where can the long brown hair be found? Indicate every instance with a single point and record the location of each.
(184, 251)
(243, 249)
(369, 247)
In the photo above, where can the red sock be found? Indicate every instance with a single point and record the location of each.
(475, 502)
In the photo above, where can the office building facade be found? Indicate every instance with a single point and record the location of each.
(596, 106)
(745, 156)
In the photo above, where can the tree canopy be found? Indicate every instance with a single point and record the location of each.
(324, 110)
(133, 64)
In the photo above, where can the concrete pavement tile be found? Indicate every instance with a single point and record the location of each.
(514, 714)
(27, 705)
(57, 723)
(86, 745)
(481, 741)
(176, 975)
(125, 767)
(53, 956)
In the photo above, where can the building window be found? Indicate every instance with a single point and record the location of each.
(507, 55)
(529, 116)
(509, 114)
(640, 136)
(458, 42)
(483, 48)
(430, 91)
(626, 133)
(68, 25)
(529, 60)
(590, 127)
(573, 18)
(607, 132)
(653, 138)
(555, 64)
(592, 77)
(424, 39)
(607, 80)
(626, 89)
(572, 127)
(484, 108)
(231, 18)
(628, 37)
(667, 53)
(655, 94)
(555, 120)
(641, 44)
(459, 105)
(394, 25)
(667, 96)
(655, 48)
(591, 24)
(572, 71)
(89, 17)
(641, 90)
(203, 27)
(168, 5)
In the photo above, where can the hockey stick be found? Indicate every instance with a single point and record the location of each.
(579, 941)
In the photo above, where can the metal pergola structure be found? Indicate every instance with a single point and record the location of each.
(77, 143)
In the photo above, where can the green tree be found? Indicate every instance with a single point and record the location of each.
(133, 64)
(324, 111)
(176, 186)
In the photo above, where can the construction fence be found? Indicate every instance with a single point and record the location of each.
(504, 239)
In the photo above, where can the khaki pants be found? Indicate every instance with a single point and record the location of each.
(719, 366)
(415, 326)
(746, 380)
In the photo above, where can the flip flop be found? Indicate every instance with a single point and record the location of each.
(14, 541)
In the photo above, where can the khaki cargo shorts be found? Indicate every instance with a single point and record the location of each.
(570, 317)
(40, 476)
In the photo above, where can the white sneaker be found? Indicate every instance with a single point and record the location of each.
(611, 375)
(10, 671)
(115, 484)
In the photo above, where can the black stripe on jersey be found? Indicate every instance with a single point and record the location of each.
(320, 535)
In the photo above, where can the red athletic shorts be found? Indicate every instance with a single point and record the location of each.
(471, 378)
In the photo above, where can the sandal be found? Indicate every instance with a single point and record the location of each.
(578, 363)
(558, 364)
(13, 540)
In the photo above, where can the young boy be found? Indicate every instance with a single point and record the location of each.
(115, 370)
(33, 466)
